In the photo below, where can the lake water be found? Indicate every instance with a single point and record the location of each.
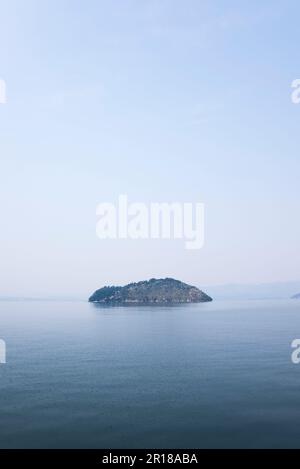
(209, 375)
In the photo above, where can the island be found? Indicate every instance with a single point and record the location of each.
(296, 297)
(166, 291)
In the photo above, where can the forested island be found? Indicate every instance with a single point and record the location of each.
(152, 292)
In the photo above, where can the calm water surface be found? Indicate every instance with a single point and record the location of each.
(208, 375)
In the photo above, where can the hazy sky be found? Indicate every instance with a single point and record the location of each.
(163, 100)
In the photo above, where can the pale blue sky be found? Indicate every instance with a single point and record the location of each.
(163, 100)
